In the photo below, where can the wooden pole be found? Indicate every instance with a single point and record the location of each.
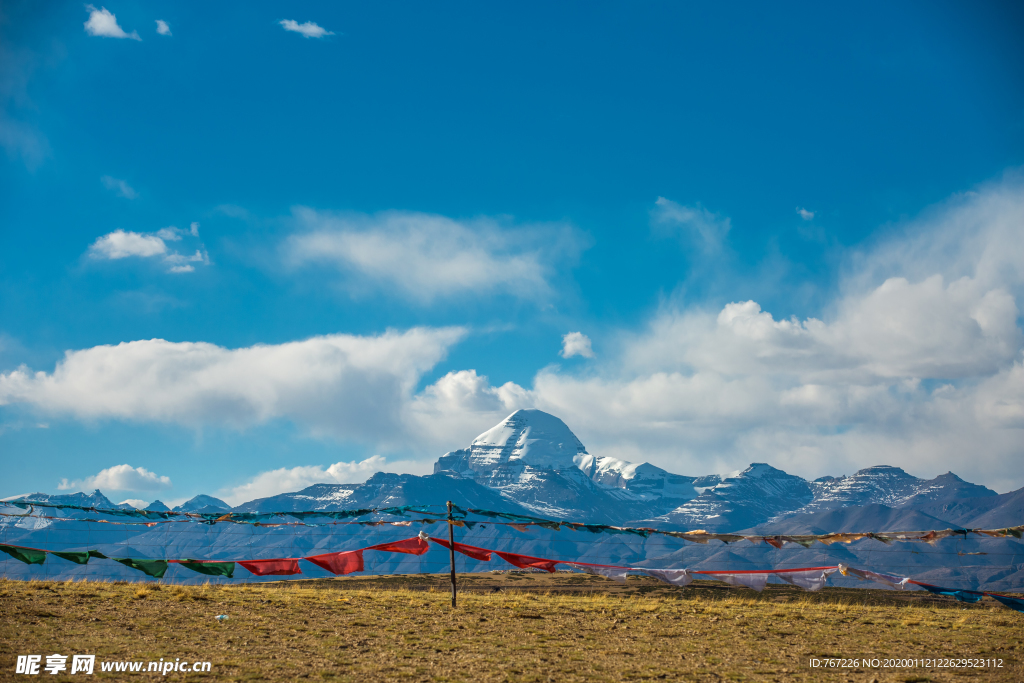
(451, 551)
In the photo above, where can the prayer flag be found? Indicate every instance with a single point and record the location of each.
(613, 573)
(26, 555)
(472, 551)
(78, 557)
(959, 595)
(154, 568)
(1012, 603)
(339, 563)
(757, 580)
(676, 577)
(279, 567)
(887, 579)
(210, 568)
(524, 561)
(812, 580)
(413, 546)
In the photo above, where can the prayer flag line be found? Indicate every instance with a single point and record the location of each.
(518, 522)
(347, 562)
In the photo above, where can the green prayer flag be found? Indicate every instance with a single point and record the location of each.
(76, 556)
(26, 555)
(97, 554)
(154, 568)
(210, 568)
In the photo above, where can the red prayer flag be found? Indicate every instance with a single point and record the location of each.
(272, 567)
(413, 546)
(339, 563)
(524, 561)
(471, 550)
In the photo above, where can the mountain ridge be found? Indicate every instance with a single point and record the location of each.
(532, 463)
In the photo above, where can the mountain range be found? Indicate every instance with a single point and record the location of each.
(532, 464)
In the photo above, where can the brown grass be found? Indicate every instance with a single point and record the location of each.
(507, 628)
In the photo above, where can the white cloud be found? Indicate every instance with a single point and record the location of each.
(122, 188)
(136, 503)
(918, 362)
(459, 406)
(104, 24)
(707, 229)
(805, 214)
(162, 28)
(286, 480)
(576, 344)
(183, 264)
(923, 371)
(308, 29)
(169, 234)
(344, 385)
(119, 478)
(425, 256)
(120, 244)
(928, 329)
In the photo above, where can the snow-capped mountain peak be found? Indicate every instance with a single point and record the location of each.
(532, 437)
(534, 459)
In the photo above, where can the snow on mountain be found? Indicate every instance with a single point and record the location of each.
(987, 512)
(642, 479)
(946, 487)
(740, 500)
(889, 486)
(526, 439)
(95, 499)
(762, 496)
(203, 504)
(315, 497)
(535, 460)
(385, 489)
(157, 506)
(532, 463)
(530, 437)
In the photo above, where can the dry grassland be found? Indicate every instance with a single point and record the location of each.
(564, 627)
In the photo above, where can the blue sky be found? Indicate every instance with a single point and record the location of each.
(788, 234)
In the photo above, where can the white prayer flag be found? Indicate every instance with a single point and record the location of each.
(756, 581)
(812, 580)
(899, 583)
(613, 573)
(676, 577)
